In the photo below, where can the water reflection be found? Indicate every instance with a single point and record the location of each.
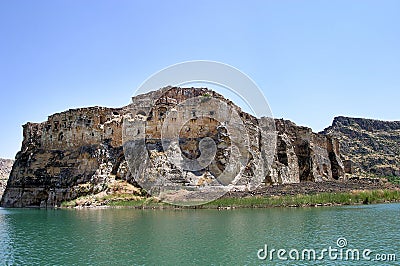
(176, 237)
(6, 243)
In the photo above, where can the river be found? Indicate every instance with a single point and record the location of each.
(202, 237)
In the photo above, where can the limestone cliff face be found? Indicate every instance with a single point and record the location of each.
(303, 155)
(73, 153)
(80, 152)
(369, 147)
(5, 169)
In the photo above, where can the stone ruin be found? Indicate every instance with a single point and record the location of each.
(80, 151)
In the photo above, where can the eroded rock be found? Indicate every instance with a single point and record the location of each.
(368, 147)
(5, 169)
(79, 152)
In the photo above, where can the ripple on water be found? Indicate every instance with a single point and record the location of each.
(187, 237)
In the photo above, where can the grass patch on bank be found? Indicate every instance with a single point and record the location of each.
(300, 200)
(140, 203)
(393, 179)
(68, 204)
(342, 198)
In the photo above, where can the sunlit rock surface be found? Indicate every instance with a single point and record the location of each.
(80, 151)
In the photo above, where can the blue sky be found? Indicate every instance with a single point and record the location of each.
(313, 59)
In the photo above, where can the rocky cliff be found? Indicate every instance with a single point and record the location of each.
(5, 169)
(81, 151)
(368, 147)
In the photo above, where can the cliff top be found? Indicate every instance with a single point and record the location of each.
(365, 123)
(372, 146)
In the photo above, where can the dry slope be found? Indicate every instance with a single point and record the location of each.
(369, 147)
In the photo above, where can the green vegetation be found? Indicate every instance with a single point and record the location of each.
(140, 203)
(320, 199)
(68, 204)
(205, 97)
(393, 179)
(343, 198)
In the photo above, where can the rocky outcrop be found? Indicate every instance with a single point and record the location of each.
(81, 151)
(73, 153)
(5, 169)
(303, 155)
(368, 147)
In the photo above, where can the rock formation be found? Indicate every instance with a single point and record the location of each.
(368, 147)
(80, 151)
(5, 169)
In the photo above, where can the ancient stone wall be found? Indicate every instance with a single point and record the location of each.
(76, 127)
(72, 154)
(303, 155)
(79, 151)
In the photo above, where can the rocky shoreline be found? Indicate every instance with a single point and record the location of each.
(81, 151)
(294, 195)
(308, 187)
(79, 156)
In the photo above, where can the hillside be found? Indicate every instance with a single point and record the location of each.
(157, 144)
(5, 169)
(368, 147)
(89, 151)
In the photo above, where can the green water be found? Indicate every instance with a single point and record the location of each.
(192, 237)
